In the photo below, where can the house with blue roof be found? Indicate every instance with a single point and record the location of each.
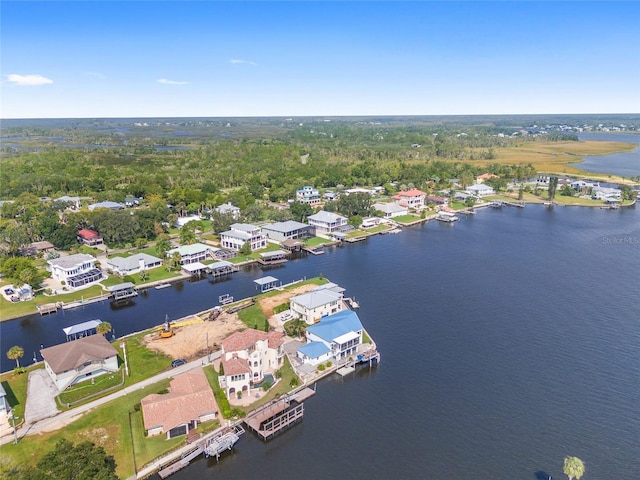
(336, 337)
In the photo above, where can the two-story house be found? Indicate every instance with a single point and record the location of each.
(196, 252)
(336, 337)
(413, 198)
(327, 222)
(320, 302)
(241, 233)
(75, 270)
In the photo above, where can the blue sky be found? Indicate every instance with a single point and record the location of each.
(288, 58)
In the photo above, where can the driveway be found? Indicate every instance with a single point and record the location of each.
(41, 393)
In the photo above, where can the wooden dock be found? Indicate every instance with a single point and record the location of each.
(49, 308)
(274, 417)
(314, 251)
(243, 305)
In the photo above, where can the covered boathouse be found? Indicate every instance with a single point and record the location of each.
(266, 284)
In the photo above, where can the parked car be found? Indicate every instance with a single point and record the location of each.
(178, 362)
(9, 291)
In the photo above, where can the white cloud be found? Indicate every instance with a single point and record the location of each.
(164, 81)
(28, 80)
(237, 61)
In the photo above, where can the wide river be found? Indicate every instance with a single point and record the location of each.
(509, 340)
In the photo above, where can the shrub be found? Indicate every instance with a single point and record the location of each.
(266, 386)
(321, 367)
(294, 382)
(328, 364)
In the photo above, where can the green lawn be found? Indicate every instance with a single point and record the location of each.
(16, 387)
(10, 310)
(107, 426)
(406, 218)
(315, 241)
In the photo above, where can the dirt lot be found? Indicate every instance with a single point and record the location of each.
(190, 340)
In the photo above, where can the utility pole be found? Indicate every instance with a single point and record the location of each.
(13, 423)
(124, 353)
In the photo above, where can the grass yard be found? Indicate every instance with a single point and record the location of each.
(16, 387)
(9, 310)
(406, 218)
(315, 241)
(108, 427)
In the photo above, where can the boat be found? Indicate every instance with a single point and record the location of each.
(162, 285)
(446, 217)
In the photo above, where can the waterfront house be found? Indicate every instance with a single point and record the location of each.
(89, 237)
(75, 270)
(327, 222)
(480, 190)
(133, 264)
(607, 194)
(196, 252)
(390, 210)
(289, 230)
(228, 208)
(190, 401)
(366, 191)
(79, 360)
(413, 198)
(583, 185)
(130, 201)
(109, 205)
(309, 195)
(241, 233)
(319, 302)
(437, 200)
(334, 337)
(246, 357)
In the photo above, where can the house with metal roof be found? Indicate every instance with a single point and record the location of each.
(480, 190)
(228, 208)
(334, 337)
(80, 360)
(327, 222)
(289, 230)
(390, 210)
(241, 233)
(308, 194)
(196, 252)
(317, 303)
(133, 264)
(75, 270)
(109, 205)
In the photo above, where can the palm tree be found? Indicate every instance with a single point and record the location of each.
(15, 353)
(573, 468)
(103, 328)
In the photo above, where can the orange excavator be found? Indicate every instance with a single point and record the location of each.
(167, 331)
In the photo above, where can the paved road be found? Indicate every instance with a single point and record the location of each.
(63, 418)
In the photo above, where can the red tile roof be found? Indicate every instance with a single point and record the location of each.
(414, 192)
(189, 398)
(235, 366)
(240, 341)
(88, 234)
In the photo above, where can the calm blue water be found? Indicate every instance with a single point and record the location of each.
(625, 164)
(508, 341)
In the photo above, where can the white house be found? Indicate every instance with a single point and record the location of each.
(75, 270)
(241, 233)
(133, 264)
(335, 337)
(308, 194)
(74, 201)
(190, 401)
(327, 222)
(605, 193)
(413, 198)
(480, 190)
(319, 302)
(79, 360)
(390, 210)
(193, 253)
(228, 208)
(246, 357)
